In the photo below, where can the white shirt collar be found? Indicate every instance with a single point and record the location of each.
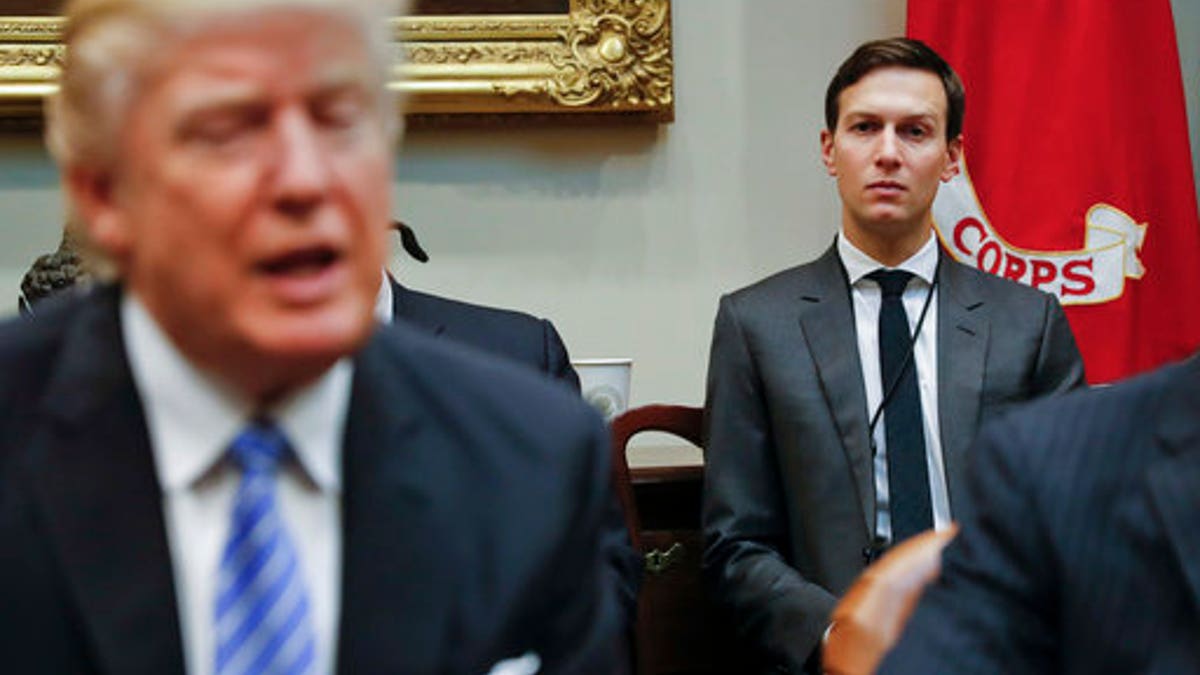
(383, 301)
(192, 417)
(858, 264)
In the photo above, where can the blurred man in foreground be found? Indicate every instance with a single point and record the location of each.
(1080, 552)
(218, 463)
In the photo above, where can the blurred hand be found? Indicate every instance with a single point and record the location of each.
(868, 620)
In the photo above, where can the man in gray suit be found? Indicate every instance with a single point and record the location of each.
(843, 393)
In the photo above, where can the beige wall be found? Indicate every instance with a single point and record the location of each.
(624, 237)
(627, 237)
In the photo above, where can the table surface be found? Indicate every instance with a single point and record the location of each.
(664, 455)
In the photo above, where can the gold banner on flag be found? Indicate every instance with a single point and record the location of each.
(1093, 274)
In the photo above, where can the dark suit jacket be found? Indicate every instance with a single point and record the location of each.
(1080, 552)
(474, 493)
(789, 491)
(514, 335)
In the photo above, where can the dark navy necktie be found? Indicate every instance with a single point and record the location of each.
(908, 476)
(263, 616)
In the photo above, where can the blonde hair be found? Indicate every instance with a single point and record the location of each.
(113, 44)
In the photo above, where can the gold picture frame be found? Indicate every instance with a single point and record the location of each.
(608, 59)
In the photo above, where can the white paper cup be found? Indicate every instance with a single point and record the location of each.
(605, 384)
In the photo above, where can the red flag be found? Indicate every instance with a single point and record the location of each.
(1078, 177)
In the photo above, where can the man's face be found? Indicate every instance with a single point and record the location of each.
(888, 153)
(250, 204)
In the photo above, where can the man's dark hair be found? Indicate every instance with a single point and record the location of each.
(905, 53)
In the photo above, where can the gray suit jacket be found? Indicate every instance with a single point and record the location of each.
(789, 494)
(1080, 552)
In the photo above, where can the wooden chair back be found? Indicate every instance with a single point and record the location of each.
(677, 631)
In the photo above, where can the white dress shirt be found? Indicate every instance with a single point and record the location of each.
(383, 302)
(192, 419)
(867, 301)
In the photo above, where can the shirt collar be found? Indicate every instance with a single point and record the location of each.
(383, 301)
(858, 264)
(192, 417)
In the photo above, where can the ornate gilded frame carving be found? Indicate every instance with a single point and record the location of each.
(608, 58)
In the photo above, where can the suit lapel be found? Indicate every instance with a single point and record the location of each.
(827, 323)
(1174, 480)
(962, 349)
(95, 477)
(395, 571)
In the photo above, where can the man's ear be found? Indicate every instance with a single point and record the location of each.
(93, 195)
(827, 151)
(953, 157)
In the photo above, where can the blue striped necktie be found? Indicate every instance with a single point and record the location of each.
(263, 616)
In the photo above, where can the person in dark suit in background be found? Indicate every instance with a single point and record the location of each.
(219, 463)
(1079, 551)
(843, 393)
(526, 340)
(515, 335)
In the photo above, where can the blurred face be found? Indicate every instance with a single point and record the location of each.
(888, 153)
(250, 205)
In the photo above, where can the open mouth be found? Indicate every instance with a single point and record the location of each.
(305, 262)
(305, 276)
